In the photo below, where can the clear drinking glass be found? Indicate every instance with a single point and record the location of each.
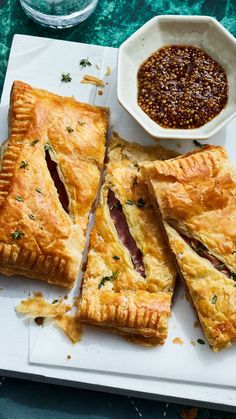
(58, 14)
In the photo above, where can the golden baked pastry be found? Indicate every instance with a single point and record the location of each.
(49, 176)
(196, 195)
(130, 273)
(40, 309)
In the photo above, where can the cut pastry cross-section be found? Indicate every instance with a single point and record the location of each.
(196, 195)
(130, 273)
(49, 177)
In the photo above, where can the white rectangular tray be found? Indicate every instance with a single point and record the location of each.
(183, 373)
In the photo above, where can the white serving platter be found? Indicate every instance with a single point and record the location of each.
(187, 373)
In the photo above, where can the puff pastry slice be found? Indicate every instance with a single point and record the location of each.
(50, 171)
(130, 273)
(196, 195)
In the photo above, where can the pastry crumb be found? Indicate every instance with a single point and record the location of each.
(97, 67)
(100, 92)
(192, 342)
(39, 320)
(39, 309)
(107, 83)
(196, 324)
(87, 79)
(178, 341)
(75, 301)
(108, 71)
(71, 327)
(68, 357)
(65, 297)
(190, 413)
(38, 294)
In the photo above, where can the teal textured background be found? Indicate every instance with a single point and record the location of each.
(111, 23)
(26, 400)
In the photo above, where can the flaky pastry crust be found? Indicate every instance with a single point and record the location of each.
(38, 238)
(128, 303)
(196, 195)
(38, 308)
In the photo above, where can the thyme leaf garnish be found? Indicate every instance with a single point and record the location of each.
(24, 164)
(85, 62)
(81, 123)
(47, 147)
(197, 143)
(116, 257)
(16, 235)
(140, 203)
(19, 198)
(201, 342)
(65, 77)
(117, 205)
(39, 190)
(214, 299)
(31, 216)
(69, 129)
(106, 278)
(55, 301)
(220, 266)
(34, 142)
(103, 280)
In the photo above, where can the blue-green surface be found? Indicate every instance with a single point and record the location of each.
(112, 22)
(27, 400)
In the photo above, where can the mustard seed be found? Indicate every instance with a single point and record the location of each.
(188, 80)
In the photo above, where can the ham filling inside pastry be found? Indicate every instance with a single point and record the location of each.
(202, 251)
(122, 228)
(61, 190)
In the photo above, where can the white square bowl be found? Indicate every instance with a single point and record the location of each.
(200, 31)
